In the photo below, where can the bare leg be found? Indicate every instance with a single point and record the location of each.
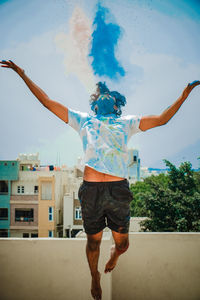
(120, 246)
(92, 252)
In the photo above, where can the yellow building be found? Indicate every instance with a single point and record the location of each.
(46, 207)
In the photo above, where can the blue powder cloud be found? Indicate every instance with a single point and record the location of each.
(104, 41)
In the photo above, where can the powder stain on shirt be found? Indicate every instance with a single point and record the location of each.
(105, 140)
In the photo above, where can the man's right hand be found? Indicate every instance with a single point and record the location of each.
(190, 87)
(12, 65)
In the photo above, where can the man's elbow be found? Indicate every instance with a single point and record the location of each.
(47, 103)
(162, 120)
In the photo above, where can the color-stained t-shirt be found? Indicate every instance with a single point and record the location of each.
(105, 140)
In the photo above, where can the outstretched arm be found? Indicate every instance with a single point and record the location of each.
(57, 108)
(148, 122)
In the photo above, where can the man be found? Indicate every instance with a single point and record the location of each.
(104, 193)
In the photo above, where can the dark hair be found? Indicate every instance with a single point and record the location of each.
(103, 87)
(120, 99)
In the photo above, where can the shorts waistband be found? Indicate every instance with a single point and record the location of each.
(119, 182)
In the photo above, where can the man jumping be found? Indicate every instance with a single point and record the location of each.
(104, 193)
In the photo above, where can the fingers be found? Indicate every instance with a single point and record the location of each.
(190, 87)
(194, 83)
(12, 63)
(6, 63)
(9, 64)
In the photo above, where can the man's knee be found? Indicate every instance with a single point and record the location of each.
(122, 245)
(93, 244)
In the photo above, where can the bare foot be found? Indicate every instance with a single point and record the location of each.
(112, 261)
(96, 287)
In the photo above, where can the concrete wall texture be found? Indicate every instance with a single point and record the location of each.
(164, 266)
(53, 269)
(159, 266)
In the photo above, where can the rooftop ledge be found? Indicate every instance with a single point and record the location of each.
(157, 266)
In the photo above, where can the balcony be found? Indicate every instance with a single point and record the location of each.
(157, 266)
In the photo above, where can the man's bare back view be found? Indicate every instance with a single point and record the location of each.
(104, 193)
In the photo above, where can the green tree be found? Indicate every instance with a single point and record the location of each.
(140, 189)
(181, 178)
(171, 202)
(137, 205)
(197, 180)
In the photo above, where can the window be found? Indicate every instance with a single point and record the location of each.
(78, 215)
(50, 233)
(34, 235)
(25, 235)
(36, 189)
(3, 233)
(20, 189)
(46, 191)
(50, 213)
(3, 187)
(3, 213)
(24, 215)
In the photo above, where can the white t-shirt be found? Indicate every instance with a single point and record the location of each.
(105, 140)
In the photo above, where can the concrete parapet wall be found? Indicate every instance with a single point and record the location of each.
(53, 269)
(157, 266)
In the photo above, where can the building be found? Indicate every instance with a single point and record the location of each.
(133, 165)
(24, 199)
(146, 172)
(9, 172)
(37, 199)
(32, 198)
(72, 218)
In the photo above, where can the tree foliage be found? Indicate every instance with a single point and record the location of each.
(170, 201)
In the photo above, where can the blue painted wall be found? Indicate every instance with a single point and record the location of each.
(9, 170)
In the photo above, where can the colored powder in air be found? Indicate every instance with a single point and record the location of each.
(104, 41)
(75, 46)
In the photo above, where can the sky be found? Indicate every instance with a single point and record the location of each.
(149, 53)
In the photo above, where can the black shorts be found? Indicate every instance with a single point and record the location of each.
(105, 204)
